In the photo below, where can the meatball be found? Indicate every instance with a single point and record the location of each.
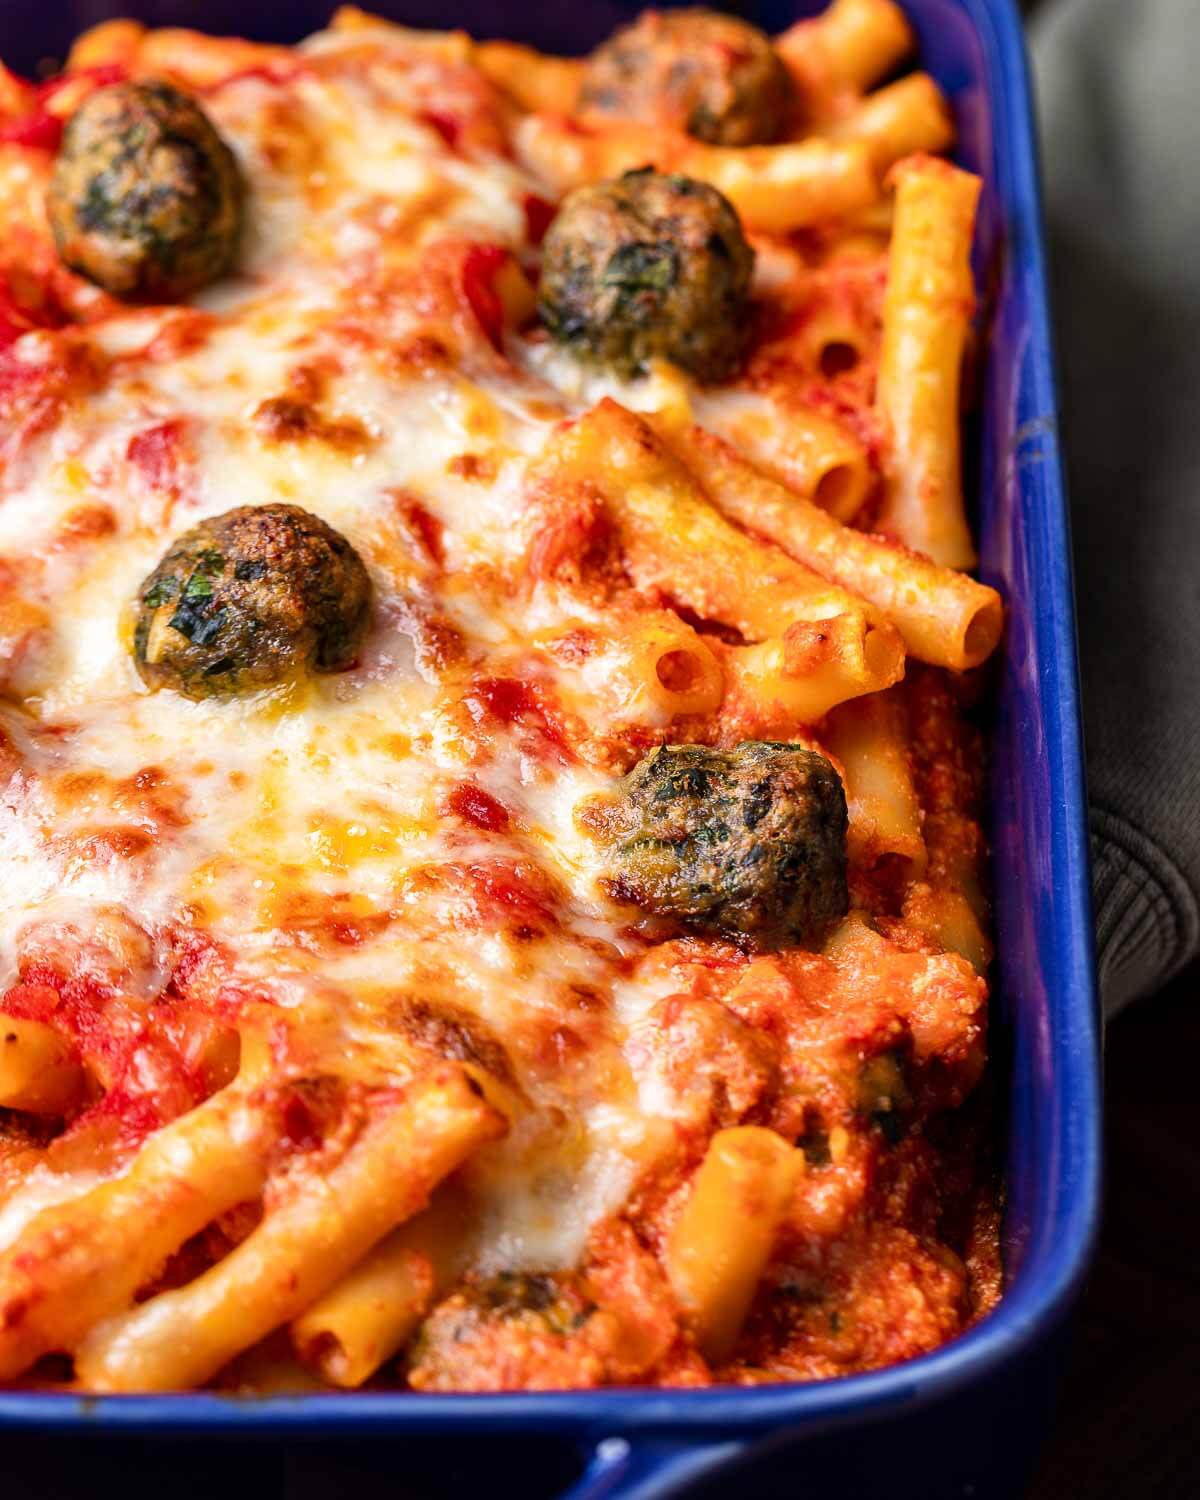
(649, 265)
(539, 1331)
(745, 843)
(713, 76)
(252, 598)
(146, 198)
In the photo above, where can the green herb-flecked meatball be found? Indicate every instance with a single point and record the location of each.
(649, 265)
(258, 596)
(745, 843)
(713, 76)
(516, 1327)
(146, 198)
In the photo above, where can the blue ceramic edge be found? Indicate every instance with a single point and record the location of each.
(1057, 1255)
(1070, 1227)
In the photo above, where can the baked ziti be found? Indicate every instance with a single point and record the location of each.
(492, 889)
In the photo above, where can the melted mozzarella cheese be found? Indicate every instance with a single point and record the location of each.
(331, 797)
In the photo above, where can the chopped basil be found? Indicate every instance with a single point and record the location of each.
(159, 592)
(197, 587)
(199, 628)
(642, 267)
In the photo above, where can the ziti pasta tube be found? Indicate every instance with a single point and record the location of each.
(720, 1245)
(533, 80)
(945, 617)
(869, 739)
(810, 453)
(810, 643)
(349, 1332)
(81, 1261)
(111, 43)
(927, 307)
(665, 669)
(372, 1312)
(850, 45)
(322, 1227)
(448, 46)
(38, 1070)
(906, 117)
(772, 187)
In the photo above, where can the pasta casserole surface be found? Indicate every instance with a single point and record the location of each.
(492, 893)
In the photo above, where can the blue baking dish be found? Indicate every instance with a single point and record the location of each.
(967, 1419)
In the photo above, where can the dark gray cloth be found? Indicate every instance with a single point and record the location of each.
(1119, 91)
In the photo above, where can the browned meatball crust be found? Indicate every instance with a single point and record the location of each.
(747, 843)
(146, 198)
(713, 76)
(249, 599)
(648, 266)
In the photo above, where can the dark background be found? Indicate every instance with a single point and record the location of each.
(1128, 1426)
(1129, 1422)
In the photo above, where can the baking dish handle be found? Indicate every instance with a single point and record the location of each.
(649, 1469)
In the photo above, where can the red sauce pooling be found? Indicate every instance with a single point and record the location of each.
(137, 1110)
(99, 77)
(539, 215)
(478, 282)
(156, 453)
(425, 527)
(473, 805)
(520, 891)
(30, 1002)
(512, 701)
(14, 320)
(43, 130)
(75, 1007)
(147, 1080)
(447, 126)
(300, 1127)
